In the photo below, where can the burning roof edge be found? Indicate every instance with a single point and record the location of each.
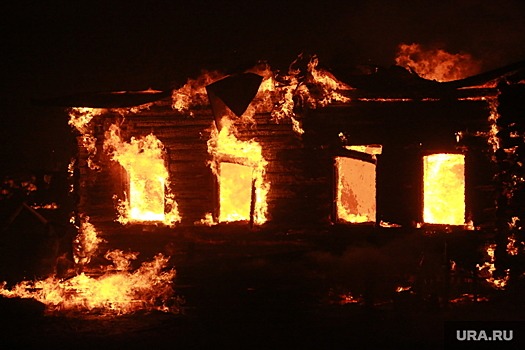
(120, 99)
(394, 82)
(399, 83)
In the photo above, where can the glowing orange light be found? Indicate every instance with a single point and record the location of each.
(436, 64)
(356, 190)
(444, 189)
(148, 178)
(242, 184)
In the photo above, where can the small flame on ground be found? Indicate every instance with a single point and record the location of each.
(206, 221)
(49, 206)
(401, 289)
(115, 292)
(466, 298)
(348, 298)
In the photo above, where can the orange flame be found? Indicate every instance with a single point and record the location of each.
(488, 268)
(80, 119)
(149, 195)
(236, 181)
(115, 292)
(356, 201)
(436, 64)
(193, 93)
(328, 84)
(86, 242)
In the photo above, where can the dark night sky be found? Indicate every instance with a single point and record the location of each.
(58, 48)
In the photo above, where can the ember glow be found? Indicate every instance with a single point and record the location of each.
(113, 289)
(240, 168)
(149, 197)
(487, 269)
(444, 189)
(436, 64)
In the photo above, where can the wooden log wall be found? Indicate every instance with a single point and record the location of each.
(185, 141)
(298, 192)
(300, 168)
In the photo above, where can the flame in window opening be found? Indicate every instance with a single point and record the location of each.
(242, 180)
(444, 189)
(356, 190)
(149, 198)
(436, 64)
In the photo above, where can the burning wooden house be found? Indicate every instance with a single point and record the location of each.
(387, 148)
(383, 149)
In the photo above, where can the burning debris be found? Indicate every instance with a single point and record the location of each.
(487, 270)
(115, 289)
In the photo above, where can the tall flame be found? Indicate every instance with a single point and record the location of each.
(86, 242)
(149, 195)
(436, 64)
(80, 119)
(225, 147)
